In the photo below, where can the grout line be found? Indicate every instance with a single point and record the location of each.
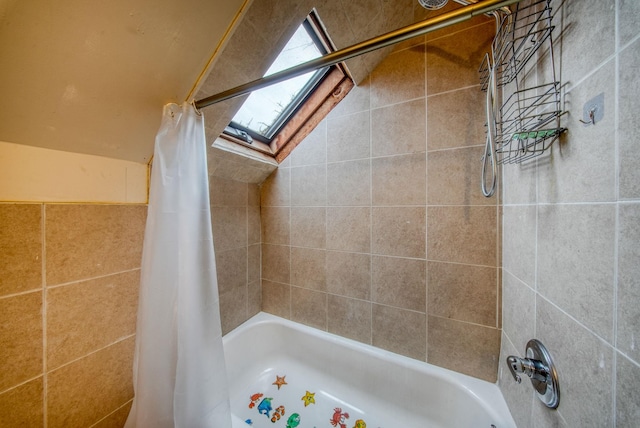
(458, 89)
(95, 351)
(461, 321)
(627, 357)
(113, 412)
(370, 216)
(24, 382)
(22, 293)
(616, 143)
(45, 384)
(383, 106)
(51, 287)
(578, 322)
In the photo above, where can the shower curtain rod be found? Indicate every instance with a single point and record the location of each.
(432, 24)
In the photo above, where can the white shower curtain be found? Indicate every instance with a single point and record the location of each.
(179, 370)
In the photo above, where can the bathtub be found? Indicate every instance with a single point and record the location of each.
(287, 375)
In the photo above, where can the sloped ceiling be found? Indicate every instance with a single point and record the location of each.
(90, 76)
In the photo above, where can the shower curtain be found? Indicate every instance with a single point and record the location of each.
(179, 371)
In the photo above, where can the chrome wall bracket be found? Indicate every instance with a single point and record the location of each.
(538, 366)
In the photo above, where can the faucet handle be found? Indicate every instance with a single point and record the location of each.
(540, 368)
(515, 366)
(535, 369)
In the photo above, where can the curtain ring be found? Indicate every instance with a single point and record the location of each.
(193, 103)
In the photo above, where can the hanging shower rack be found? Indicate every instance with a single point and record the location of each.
(527, 122)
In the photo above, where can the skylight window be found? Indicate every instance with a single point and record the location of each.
(275, 119)
(267, 109)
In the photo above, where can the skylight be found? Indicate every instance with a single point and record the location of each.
(266, 110)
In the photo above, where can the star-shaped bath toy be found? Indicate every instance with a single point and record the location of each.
(309, 398)
(280, 381)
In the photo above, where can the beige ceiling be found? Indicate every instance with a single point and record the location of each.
(91, 76)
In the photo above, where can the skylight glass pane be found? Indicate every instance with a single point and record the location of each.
(263, 107)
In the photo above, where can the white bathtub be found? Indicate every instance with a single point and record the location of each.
(346, 383)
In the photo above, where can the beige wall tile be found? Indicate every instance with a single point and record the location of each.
(232, 269)
(84, 392)
(276, 263)
(309, 307)
(313, 149)
(20, 338)
(309, 268)
(23, 406)
(453, 61)
(587, 400)
(254, 264)
(229, 227)
(399, 129)
(628, 126)
(629, 16)
(400, 331)
(453, 177)
(581, 170)
(582, 18)
(519, 256)
(84, 241)
(349, 229)
(627, 387)
(276, 189)
(276, 222)
(233, 308)
(462, 292)
(519, 312)
(399, 77)
(399, 282)
(399, 180)
(629, 280)
(20, 248)
(225, 192)
(116, 419)
(349, 183)
(349, 318)
(253, 195)
(254, 296)
(576, 262)
(349, 274)
(276, 298)
(349, 136)
(466, 348)
(464, 234)
(308, 227)
(519, 185)
(309, 186)
(254, 226)
(455, 119)
(399, 231)
(89, 315)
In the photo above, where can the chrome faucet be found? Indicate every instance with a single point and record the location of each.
(533, 368)
(539, 367)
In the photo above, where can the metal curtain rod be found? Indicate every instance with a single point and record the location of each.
(432, 24)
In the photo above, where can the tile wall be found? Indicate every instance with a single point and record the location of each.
(572, 231)
(69, 277)
(235, 214)
(375, 227)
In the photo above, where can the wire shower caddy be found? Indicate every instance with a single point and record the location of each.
(527, 122)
